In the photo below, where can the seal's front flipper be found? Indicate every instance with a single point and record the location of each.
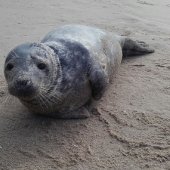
(134, 48)
(81, 113)
(98, 82)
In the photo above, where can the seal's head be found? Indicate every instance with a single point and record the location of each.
(30, 70)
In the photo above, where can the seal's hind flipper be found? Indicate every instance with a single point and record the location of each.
(134, 48)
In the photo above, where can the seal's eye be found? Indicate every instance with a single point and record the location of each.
(9, 66)
(41, 66)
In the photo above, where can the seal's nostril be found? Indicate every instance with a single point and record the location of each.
(23, 82)
(23, 88)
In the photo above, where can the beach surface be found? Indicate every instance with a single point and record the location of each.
(129, 128)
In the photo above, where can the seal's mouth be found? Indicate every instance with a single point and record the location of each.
(22, 89)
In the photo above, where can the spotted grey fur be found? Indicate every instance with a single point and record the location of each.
(71, 65)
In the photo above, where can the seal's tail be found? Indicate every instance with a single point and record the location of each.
(134, 48)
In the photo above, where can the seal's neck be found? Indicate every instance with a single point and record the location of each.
(57, 69)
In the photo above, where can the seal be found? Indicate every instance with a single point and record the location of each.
(72, 65)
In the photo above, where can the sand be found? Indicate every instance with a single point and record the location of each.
(129, 128)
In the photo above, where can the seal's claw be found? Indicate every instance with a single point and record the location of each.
(142, 43)
(142, 46)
